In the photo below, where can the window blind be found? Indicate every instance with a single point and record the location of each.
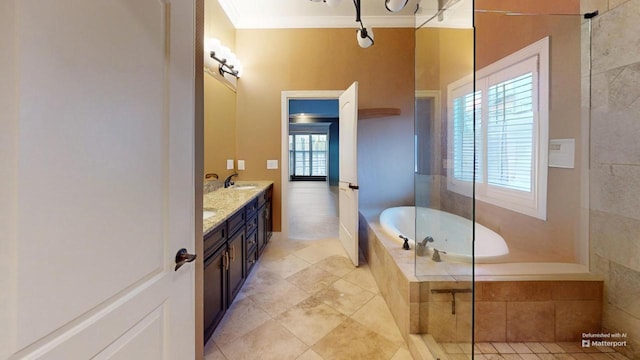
(464, 158)
(510, 129)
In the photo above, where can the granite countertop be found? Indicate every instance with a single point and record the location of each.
(224, 202)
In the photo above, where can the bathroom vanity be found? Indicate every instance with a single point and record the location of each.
(237, 226)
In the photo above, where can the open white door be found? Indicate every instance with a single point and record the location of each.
(348, 186)
(98, 179)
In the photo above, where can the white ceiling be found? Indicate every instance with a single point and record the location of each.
(274, 14)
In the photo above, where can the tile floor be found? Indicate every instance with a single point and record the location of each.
(528, 351)
(305, 300)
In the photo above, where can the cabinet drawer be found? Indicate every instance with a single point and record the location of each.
(235, 222)
(214, 239)
(252, 258)
(251, 207)
(252, 242)
(264, 197)
(252, 224)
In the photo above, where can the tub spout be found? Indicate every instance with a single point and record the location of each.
(406, 242)
(426, 240)
(436, 255)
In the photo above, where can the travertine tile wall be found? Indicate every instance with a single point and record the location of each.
(615, 164)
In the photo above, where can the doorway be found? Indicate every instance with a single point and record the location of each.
(310, 164)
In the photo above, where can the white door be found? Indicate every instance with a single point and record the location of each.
(97, 179)
(348, 186)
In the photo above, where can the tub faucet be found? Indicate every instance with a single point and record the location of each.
(436, 255)
(421, 249)
(406, 242)
(229, 180)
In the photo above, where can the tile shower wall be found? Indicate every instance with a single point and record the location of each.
(615, 166)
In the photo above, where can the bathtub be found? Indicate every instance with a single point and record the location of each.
(451, 233)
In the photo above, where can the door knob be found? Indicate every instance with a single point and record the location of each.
(354, 187)
(183, 257)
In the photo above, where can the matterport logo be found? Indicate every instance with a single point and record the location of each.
(604, 339)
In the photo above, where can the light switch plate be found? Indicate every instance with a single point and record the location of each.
(240, 164)
(272, 164)
(230, 164)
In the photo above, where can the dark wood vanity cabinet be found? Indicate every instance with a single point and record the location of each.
(215, 290)
(231, 251)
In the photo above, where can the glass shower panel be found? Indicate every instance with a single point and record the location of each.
(531, 178)
(444, 218)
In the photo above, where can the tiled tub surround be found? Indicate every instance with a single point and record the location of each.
(225, 201)
(509, 308)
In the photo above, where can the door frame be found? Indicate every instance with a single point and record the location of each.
(284, 145)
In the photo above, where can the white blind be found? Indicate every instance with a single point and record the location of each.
(463, 136)
(510, 129)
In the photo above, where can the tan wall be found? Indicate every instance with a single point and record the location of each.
(219, 99)
(330, 59)
(499, 35)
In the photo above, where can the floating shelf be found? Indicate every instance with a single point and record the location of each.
(377, 113)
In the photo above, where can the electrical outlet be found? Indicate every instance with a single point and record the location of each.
(272, 164)
(230, 164)
(240, 164)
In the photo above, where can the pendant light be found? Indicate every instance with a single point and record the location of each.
(395, 5)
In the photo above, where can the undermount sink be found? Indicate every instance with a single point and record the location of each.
(207, 214)
(244, 187)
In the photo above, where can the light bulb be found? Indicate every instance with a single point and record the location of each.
(367, 40)
(212, 45)
(332, 3)
(395, 5)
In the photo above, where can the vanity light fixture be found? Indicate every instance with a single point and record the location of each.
(228, 63)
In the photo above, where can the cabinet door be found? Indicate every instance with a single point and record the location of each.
(237, 253)
(215, 290)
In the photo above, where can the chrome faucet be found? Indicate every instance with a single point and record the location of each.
(421, 249)
(228, 181)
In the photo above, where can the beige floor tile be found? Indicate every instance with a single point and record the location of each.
(537, 348)
(581, 356)
(486, 348)
(494, 357)
(212, 352)
(451, 348)
(344, 296)
(553, 348)
(511, 356)
(337, 265)
(286, 266)
(402, 354)
(571, 347)
(457, 357)
(605, 349)
(311, 320)
(521, 348)
(529, 356)
(466, 347)
(503, 348)
(600, 356)
(382, 323)
(278, 297)
(271, 341)
(547, 356)
(564, 356)
(243, 316)
(362, 277)
(321, 250)
(353, 341)
(312, 279)
(260, 279)
(309, 355)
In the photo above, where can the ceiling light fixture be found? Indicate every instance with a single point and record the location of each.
(363, 35)
(395, 5)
